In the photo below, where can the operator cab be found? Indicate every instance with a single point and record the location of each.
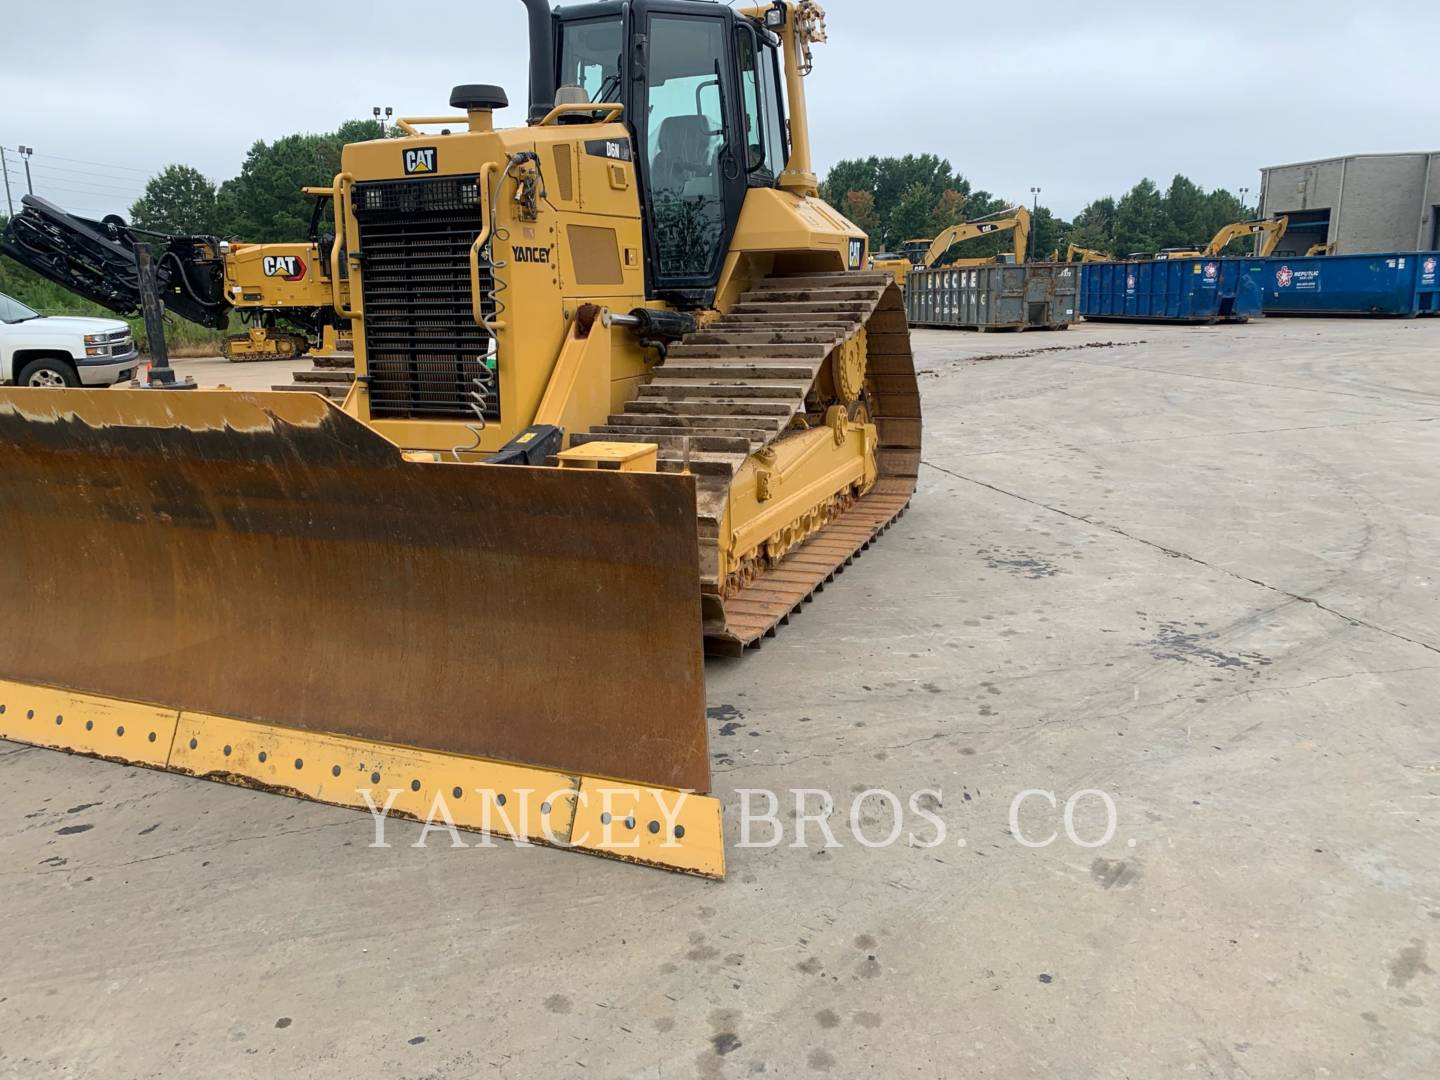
(701, 88)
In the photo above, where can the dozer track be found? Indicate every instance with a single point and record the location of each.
(740, 385)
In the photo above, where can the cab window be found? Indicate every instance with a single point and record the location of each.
(590, 58)
(764, 150)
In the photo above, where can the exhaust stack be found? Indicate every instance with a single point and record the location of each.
(542, 58)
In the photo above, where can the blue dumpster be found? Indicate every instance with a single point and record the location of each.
(1170, 290)
(1405, 283)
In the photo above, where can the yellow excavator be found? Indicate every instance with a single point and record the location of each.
(623, 391)
(1016, 220)
(1270, 230)
(200, 278)
(1076, 253)
(922, 254)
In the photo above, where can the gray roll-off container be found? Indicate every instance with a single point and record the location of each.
(1030, 296)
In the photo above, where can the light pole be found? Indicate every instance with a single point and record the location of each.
(381, 119)
(25, 152)
(1034, 219)
(5, 168)
(1244, 199)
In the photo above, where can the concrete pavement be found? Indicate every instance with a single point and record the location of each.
(1187, 573)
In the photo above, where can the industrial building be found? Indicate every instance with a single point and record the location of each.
(1359, 203)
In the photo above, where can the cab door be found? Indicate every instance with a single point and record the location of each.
(690, 148)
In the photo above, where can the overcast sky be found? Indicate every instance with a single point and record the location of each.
(1082, 99)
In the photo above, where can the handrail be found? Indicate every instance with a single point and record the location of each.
(612, 110)
(407, 123)
(337, 199)
(476, 298)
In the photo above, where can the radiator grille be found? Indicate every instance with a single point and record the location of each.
(425, 355)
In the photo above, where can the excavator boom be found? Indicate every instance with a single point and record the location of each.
(1017, 219)
(1270, 230)
(1076, 253)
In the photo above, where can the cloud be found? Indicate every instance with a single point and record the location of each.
(1082, 100)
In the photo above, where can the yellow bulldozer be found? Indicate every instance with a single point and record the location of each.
(623, 391)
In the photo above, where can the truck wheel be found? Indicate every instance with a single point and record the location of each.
(48, 374)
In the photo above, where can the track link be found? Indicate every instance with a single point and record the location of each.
(733, 387)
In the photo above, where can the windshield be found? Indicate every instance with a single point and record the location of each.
(590, 58)
(13, 311)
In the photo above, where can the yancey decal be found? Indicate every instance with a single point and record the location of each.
(527, 254)
(421, 160)
(289, 267)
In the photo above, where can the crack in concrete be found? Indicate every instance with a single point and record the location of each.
(1174, 553)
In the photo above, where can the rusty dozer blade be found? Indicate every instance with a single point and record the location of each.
(305, 609)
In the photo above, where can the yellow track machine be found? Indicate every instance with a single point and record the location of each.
(200, 278)
(622, 388)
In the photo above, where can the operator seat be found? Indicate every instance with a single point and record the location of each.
(683, 154)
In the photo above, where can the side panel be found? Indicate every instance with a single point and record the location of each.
(1385, 283)
(1170, 290)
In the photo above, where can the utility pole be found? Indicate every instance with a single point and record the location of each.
(5, 168)
(25, 152)
(1034, 221)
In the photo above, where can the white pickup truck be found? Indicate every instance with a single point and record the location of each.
(62, 350)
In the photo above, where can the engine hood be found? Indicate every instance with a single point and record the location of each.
(71, 324)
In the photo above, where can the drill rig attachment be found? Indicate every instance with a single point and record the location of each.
(200, 278)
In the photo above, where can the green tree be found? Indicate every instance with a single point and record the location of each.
(178, 199)
(949, 210)
(912, 216)
(859, 207)
(1221, 207)
(265, 202)
(893, 182)
(1094, 227)
(1186, 221)
(1140, 220)
(1047, 233)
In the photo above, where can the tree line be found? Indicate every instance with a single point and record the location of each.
(895, 199)
(264, 203)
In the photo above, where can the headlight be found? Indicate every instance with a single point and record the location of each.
(97, 350)
(95, 339)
